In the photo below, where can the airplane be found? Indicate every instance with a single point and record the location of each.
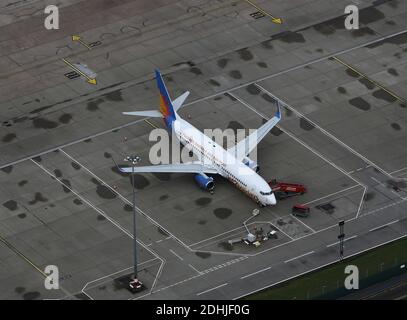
(232, 164)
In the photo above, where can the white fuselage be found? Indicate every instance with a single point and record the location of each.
(214, 155)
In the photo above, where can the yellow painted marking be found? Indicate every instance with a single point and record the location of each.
(89, 79)
(150, 123)
(21, 255)
(79, 39)
(273, 19)
(370, 80)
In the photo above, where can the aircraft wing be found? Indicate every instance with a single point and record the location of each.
(177, 103)
(245, 146)
(181, 168)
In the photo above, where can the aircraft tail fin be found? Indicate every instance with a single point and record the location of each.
(166, 107)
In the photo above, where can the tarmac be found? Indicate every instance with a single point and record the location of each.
(64, 203)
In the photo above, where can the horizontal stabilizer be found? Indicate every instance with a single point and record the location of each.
(148, 113)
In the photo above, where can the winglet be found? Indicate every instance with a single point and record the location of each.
(117, 166)
(278, 113)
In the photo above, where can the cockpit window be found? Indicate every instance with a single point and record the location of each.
(266, 193)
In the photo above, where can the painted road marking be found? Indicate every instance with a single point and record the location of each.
(254, 273)
(177, 255)
(21, 255)
(195, 269)
(346, 239)
(206, 291)
(89, 79)
(384, 225)
(369, 79)
(273, 19)
(334, 193)
(298, 257)
(150, 123)
(76, 38)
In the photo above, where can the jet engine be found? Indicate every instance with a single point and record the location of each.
(204, 181)
(251, 164)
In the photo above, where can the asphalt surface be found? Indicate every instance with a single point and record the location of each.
(64, 203)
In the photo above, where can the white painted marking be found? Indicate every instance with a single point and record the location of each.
(361, 202)
(332, 194)
(307, 226)
(298, 257)
(177, 255)
(195, 269)
(402, 169)
(384, 225)
(209, 290)
(346, 239)
(379, 182)
(252, 274)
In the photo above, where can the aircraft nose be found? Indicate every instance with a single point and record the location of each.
(272, 200)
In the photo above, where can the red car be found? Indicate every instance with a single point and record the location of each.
(300, 210)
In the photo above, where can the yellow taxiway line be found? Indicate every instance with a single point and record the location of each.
(90, 80)
(150, 123)
(369, 79)
(21, 255)
(79, 39)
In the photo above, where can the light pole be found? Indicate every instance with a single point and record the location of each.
(134, 160)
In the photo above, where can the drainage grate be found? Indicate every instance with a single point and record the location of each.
(327, 207)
